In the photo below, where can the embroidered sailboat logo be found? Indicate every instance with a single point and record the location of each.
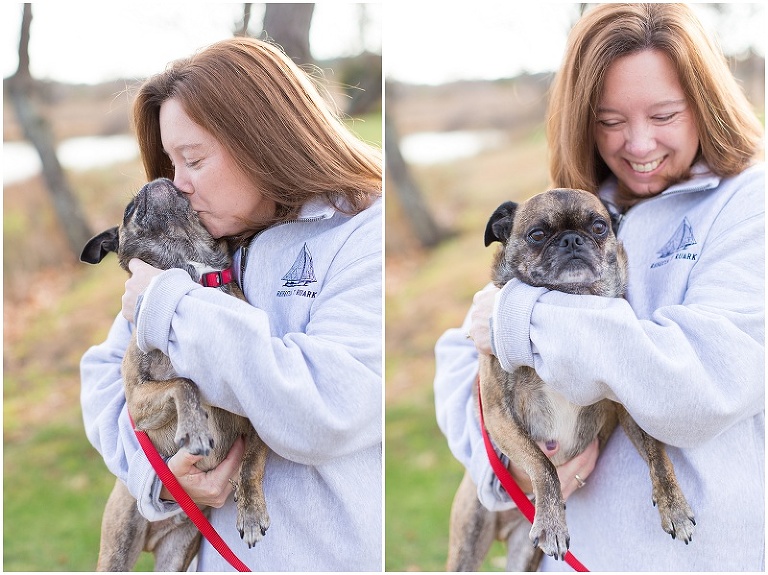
(680, 240)
(302, 271)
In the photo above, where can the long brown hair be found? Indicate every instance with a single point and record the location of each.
(272, 119)
(729, 131)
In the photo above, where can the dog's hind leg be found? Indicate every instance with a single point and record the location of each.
(472, 531)
(123, 531)
(521, 555)
(176, 549)
(677, 518)
(252, 515)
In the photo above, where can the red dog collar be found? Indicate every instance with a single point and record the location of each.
(217, 279)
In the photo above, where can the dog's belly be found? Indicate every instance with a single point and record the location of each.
(548, 416)
(564, 425)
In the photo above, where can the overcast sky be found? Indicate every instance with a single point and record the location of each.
(87, 42)
(425, 41)
(428, 42)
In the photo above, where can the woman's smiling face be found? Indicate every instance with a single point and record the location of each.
(645, 129)
(225, 199)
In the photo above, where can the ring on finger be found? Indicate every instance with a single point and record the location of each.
(579, 480)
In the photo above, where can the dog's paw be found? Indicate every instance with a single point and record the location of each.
(252, 523)
(196, 444)
(195, 437)
(550, 533)
(677, 519)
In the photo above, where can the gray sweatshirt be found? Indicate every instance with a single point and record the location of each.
(684, 352)
(302, 360)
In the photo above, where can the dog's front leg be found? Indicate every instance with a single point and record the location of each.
(549, 530)
(252, 515)
(677, 518)
(156, 397)
(180, 401)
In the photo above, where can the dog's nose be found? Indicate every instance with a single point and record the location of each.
(571, 241)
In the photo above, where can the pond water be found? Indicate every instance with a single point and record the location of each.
(20, 159)
(441, 147)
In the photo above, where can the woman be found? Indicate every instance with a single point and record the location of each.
(246, 135)
(645, 113)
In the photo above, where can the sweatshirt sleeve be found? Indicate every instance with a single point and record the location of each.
(108, 426)
(312, 395)
(456, 364)
(687, 372)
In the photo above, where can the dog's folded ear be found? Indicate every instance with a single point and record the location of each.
(100, 245)
(499, 226)
(613, 211)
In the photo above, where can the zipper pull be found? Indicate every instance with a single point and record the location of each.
(617, 219)
(243, 258)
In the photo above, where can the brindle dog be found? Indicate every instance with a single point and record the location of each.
(562, 240)
(160, 227)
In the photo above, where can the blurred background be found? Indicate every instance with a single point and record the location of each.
(70, 165)
(466, 93)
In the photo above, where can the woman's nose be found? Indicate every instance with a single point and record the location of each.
(640, 141)
(181, 183)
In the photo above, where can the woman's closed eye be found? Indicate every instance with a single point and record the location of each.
(610, 123)
(664, 118)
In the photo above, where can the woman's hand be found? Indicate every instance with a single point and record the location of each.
(581, 465)
(209, 488)
(480, 328)
(141, 274)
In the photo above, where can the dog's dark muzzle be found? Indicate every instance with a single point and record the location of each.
(572, 243)
(155, 201)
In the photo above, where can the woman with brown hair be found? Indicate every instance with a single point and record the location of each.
(246, 135)
(645, 113)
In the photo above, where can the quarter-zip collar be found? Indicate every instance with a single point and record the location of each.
(315, 209)
(702, 178)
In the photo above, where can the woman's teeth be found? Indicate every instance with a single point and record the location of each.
(649, 167)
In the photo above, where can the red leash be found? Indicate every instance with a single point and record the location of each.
(511, 487)
(183, 499)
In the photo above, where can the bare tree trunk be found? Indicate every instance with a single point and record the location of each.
(242, 27)
(421, 222)
(364, 72)
(288, 25)
(367, 84)
(22, 90)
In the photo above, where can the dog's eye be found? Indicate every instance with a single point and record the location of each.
(599, 227)
(536, 235)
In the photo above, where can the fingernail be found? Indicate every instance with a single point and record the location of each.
(551, 445)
